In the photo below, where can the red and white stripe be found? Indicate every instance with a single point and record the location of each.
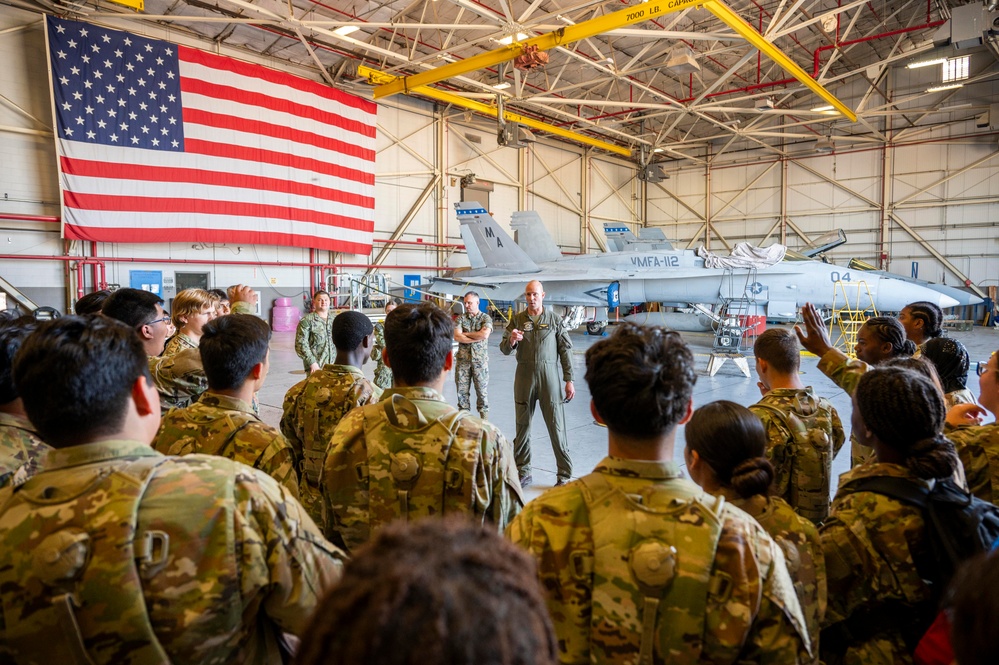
(269, 158)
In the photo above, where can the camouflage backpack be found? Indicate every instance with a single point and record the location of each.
(649, 571)
(60, 563)
(430, 463)
(810, 478)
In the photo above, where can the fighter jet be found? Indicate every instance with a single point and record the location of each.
(500, 268)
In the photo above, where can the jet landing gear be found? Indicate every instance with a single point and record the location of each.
(595, 327)
(577, 315)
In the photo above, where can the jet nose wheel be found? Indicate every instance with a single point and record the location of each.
(594, 327)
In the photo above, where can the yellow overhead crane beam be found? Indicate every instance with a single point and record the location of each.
(545, 42)
(602, 24)
(381, 78)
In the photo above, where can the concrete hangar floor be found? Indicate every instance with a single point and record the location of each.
(588, 441)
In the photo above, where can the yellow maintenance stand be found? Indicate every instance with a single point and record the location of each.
(852, 305)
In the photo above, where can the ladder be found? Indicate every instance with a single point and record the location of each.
(852, 305)
(737, 300)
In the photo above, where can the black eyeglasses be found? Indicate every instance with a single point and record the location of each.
(981, 367)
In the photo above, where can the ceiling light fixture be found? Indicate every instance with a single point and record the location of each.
(949, 86)
(506, 41)
(926, 63)
(346, 30)
(501, 86)
(821, 109)
(765, 104)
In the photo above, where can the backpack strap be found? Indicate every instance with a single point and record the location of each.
(792, 426)
(901, 489)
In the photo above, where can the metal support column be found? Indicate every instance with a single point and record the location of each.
(887, 171)
(707, 201)
(584, 201)
(441, 127)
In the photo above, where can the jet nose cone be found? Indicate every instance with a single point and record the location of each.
(894, 294)
(946, 301)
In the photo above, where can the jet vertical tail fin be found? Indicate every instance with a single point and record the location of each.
(488, 245)
(621, 239)
(533, 237)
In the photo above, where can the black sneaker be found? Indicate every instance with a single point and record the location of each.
(526, 481)
(561, 481)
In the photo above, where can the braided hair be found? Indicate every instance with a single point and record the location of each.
(731, 440)
(906, 412)
(888, 330)
(433, 591)
(950, 357)
(930, 315)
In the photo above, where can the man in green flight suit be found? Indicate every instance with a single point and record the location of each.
(541, 341)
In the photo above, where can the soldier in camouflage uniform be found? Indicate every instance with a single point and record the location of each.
(117, 554)
(383, 373)
(314, 407)
(21, 451)
(222, 422)
(879, 604)
(471, 331)
(880, 338)
(192, 309)
(725, 455)
(313, 343)
(804, 432)
(978, 445)
(412, 454)
(640, 565)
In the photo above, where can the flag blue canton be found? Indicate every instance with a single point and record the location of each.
(115, 88)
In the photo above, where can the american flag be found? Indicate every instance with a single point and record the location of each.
(159, 142)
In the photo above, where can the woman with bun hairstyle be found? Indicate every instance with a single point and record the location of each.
(881, 338)
(879, 603)
(726, 456)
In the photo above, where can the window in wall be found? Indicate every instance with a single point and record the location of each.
(955, 69)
